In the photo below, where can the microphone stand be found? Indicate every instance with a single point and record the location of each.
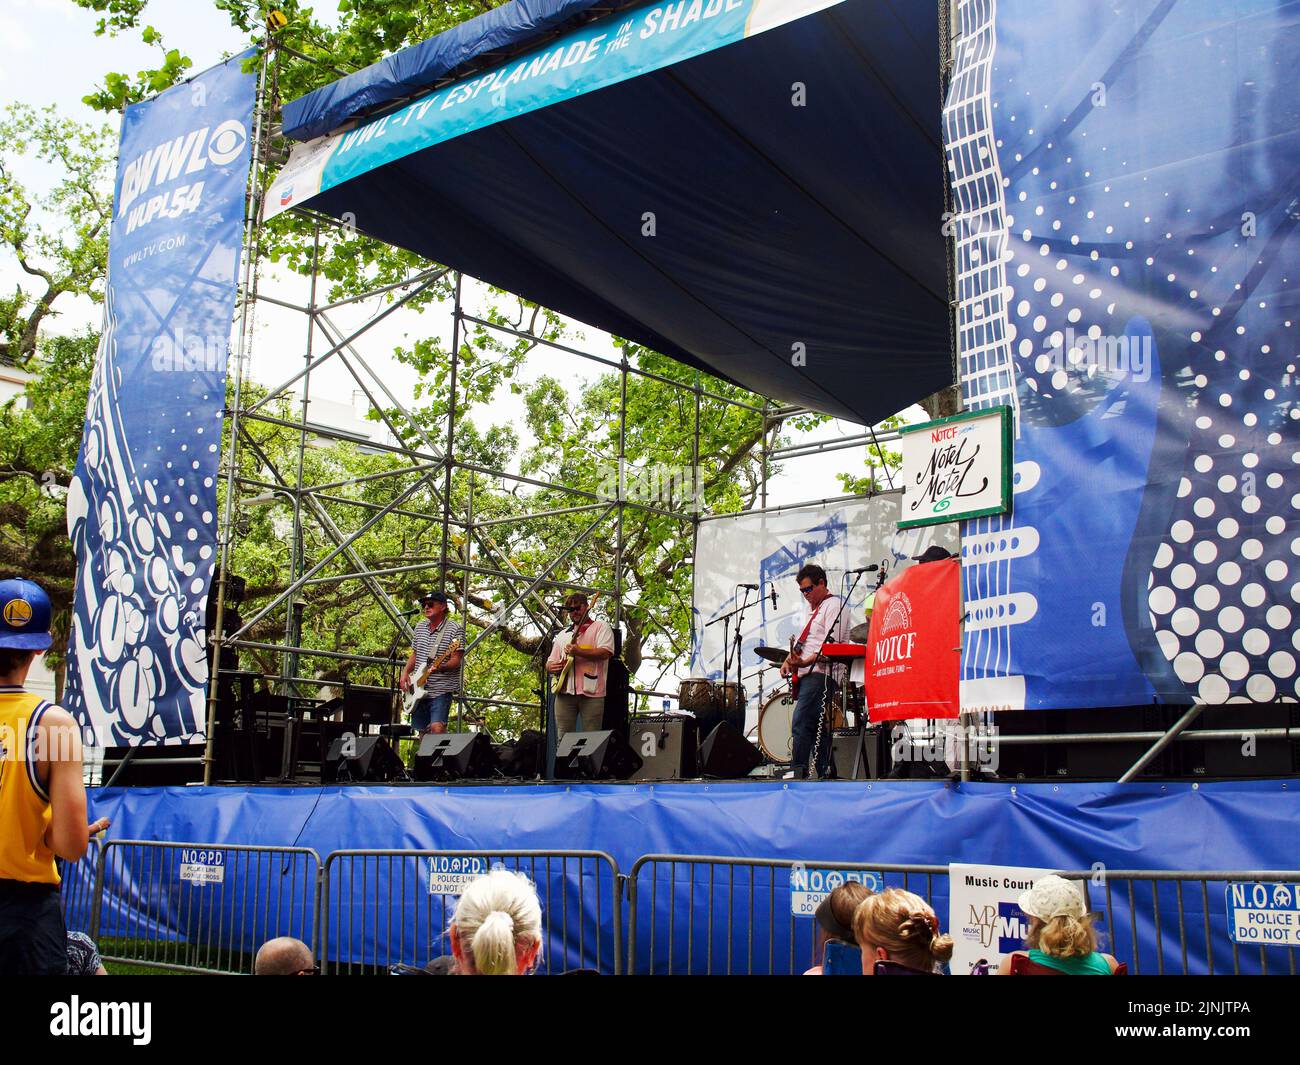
(739, 615)
(549, 728)
(740, 666)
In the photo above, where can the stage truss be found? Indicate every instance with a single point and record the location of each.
(471, 552)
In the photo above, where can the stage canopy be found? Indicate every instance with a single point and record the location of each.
(754, 187)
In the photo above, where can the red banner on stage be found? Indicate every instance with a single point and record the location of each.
(914, 650)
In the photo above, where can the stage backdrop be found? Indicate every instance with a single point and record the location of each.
(768, 550)
(143, 500)
(1126, 179)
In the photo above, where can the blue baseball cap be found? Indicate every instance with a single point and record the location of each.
(24, 615)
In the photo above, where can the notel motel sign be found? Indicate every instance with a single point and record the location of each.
(956, 468)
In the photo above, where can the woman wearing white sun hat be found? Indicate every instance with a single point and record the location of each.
(1061, 935)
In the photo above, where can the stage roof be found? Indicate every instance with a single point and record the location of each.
(754, 187)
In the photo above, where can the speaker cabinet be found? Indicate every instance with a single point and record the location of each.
(455, 756)
(595, 756)
(727, 754)
(667, 746)
(875, 758)
(524, 758)
(353, 759)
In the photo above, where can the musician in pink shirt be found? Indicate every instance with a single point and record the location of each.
(589, 643)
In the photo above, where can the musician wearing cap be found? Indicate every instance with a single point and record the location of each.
(588, 643)
(828, 622)
(438, 641)
(42, 797)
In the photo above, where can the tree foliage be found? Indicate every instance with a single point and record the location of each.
(59, 239)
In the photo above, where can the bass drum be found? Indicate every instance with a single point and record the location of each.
(775, 728)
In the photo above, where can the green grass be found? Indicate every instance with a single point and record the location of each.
(192, 955)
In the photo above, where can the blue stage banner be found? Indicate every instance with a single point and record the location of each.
(143, 500)
(1128, 271)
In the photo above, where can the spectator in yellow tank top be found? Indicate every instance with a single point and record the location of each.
(42, 797)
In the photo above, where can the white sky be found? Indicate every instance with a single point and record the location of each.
(27, 74)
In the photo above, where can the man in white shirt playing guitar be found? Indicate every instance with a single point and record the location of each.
(434, 638)
(810, 677)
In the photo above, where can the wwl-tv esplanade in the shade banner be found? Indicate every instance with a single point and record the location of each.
(142, 503)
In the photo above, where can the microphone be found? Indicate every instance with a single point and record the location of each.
(751, 587)
(864, 569)
(772, 591)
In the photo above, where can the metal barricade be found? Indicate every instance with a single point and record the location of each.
(1136, 910)
(201, 907)
(383, 908)
(77, 888)
(697, 914)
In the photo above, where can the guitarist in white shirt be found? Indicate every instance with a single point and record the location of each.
(808, 673)
(580, 656)
(434, 636)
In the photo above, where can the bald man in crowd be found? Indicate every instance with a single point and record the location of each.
(284, 956)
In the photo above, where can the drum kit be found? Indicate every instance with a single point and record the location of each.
(712, 702)
(776, 715)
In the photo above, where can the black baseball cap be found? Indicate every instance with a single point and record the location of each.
(433, 597)
(933, 554)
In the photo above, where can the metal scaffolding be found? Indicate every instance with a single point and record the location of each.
(425, 468)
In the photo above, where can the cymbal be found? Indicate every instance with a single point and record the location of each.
(859, 633)
(772, 654)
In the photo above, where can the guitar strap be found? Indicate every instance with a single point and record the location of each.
(434, 650)
(806, 629)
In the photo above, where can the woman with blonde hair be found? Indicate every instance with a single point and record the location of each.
(497, 927)
(1061, 935)
(900, 927)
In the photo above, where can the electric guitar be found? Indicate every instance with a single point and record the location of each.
(417, 689)
(796, 648)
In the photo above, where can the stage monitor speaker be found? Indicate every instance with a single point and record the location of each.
(727, 754)
(455, 756)
(595, 756)
(353, 759)
(667, 746)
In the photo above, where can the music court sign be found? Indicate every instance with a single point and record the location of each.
(956, 468)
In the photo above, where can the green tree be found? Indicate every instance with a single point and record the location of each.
(59, 239)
